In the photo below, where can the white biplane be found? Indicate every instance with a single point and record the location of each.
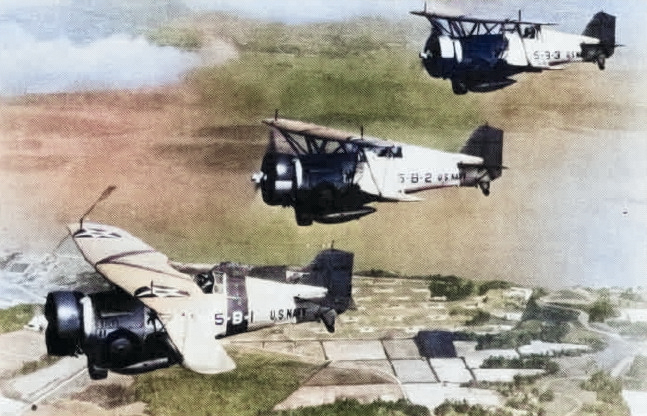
(162, 314)
(481, 54)
(329, 176)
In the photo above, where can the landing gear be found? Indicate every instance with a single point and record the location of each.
(601, 61)
(303, 218)
(459, 86)
(95, 372)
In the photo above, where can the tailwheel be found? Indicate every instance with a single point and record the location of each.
(601, 61)
(485, 188)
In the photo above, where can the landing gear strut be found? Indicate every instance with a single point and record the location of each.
(485, 188)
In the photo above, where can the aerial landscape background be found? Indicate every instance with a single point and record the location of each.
(89, 100)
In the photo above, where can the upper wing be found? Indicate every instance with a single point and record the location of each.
(466, 19)
(144, 273)
(463, 26)
(315, 131)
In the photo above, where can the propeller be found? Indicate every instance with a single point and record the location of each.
(105, 194)
(258, 177)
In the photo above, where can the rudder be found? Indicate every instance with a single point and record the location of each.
(487, 143)
(333, 269)
(603, 27)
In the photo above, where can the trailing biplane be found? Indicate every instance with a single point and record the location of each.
(481, 54)
(329, 176)
(162, 313)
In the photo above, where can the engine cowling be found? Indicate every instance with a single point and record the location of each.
(278, 183)
(441, 56)
(114, 330)
(64, 323)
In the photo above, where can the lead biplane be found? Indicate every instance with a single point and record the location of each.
(162, 313)
(329, 176)
(480, 55)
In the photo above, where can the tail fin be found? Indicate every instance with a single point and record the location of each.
(602, 27)
(333, 269)
(487, 143)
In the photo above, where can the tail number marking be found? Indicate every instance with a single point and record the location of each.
(236, 318)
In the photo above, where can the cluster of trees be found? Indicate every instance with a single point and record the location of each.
(377, 273)
(480, 318)
(527, 404)
(352, 407)
(452, 287)
(457, 288)
(601, 310)
(463, 408)
(636, 377)
(522, 335)
(608, 389)
(533, 361)
(632, 296)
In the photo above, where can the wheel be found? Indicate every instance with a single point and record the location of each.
(459, 86)
(95, 372)
(303, 218)
(326, 198)
(123, 348)
(602, 59)
(485, 188)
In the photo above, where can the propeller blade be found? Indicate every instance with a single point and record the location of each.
(271, 145)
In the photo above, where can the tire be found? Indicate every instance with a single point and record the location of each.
(95, 372)
(123, 348)
(304, 219)
(459, 86)
(326, 198)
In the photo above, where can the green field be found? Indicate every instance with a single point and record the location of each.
(14, 318)
(337, 74)
(385, 91)
(258, 384)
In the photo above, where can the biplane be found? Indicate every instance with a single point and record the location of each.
(162, 313)
(329, 176)
(481, 55)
